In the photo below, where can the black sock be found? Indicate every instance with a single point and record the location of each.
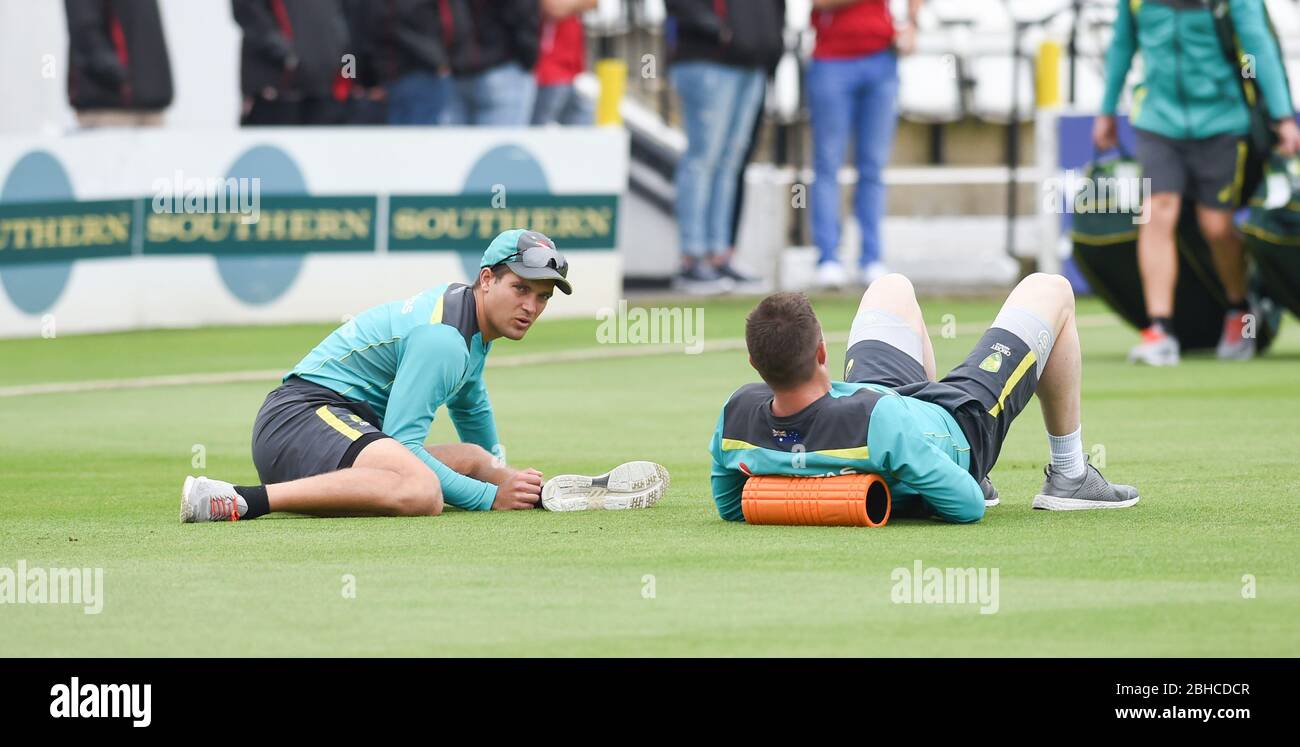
(1165, 324)
(255, 497)
(1241, 307)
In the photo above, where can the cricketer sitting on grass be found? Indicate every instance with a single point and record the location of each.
(934, 442)
(344, 433)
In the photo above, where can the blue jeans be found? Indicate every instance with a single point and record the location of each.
(719, 103)
(501, 96)
(418, 98)
(561, 104)
(851, 98)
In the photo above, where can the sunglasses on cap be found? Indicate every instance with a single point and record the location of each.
(537, 257)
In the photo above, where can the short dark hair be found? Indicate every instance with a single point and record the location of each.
(782, 334)
(497, 269)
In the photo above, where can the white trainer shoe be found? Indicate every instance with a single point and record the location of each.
(831, 276)
(630, 485)
(210, 500)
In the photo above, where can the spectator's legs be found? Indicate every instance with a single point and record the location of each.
(1226, 249)
(550, 104)
(702, 88)
(417, 98)
(1158, 254)
(736, 125)
(322, 111)
(578, 109)
(876, 114)
(504, 96)
(460, 109)
(830, 88)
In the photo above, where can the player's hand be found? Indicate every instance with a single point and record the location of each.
(1288, 137)
(1105, 133)
(522, 489)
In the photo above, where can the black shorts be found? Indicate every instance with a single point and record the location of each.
(1210, 171)
(984, 393)
(304, 429)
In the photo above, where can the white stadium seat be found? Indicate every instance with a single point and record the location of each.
(991, 96)
(653, 12)
(929, 90)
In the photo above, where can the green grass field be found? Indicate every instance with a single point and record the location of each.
(93, 479)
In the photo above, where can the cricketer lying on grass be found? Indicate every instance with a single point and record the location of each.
(933, 440)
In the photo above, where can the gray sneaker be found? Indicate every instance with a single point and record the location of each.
(990, 493)
(702, 280)
(1234, 345)
(1082, 493)
(210, 500)
(1162, 351)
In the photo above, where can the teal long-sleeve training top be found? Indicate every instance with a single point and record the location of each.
(916, 446)
(408, 358)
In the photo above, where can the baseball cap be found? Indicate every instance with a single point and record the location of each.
(529, 254)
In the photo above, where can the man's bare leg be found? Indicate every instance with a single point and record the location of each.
(1158, 253)
(1051, 299)
(1226, 250)
(385, 480)
(894, 294)
(1048, 301)
(1230, 262)
(1158, 266)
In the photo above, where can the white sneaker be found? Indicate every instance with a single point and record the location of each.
(210, 500)
(1156, 349)
(630, 485)
(873, 272)
(831, 276)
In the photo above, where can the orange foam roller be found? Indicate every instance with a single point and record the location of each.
(840, 501)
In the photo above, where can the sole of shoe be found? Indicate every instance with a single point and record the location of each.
(1054, 503)
(187, 510)
(630, 485)
(992, 503)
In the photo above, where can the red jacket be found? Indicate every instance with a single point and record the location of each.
(563, 51)
(854, 30)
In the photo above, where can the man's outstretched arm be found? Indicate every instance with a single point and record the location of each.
(433, 360)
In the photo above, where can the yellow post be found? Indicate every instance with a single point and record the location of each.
(1049, 74)
(612, 74)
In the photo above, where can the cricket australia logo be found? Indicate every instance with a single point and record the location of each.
(993, 362)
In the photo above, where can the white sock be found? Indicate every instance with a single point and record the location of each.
(1067, 453)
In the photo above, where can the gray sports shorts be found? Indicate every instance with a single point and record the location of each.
(304, 429)
(1210, 171)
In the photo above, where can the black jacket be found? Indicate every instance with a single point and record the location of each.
(748, 33)
(317, 38)
(487, 33)
(98, 78)
(396, 37)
